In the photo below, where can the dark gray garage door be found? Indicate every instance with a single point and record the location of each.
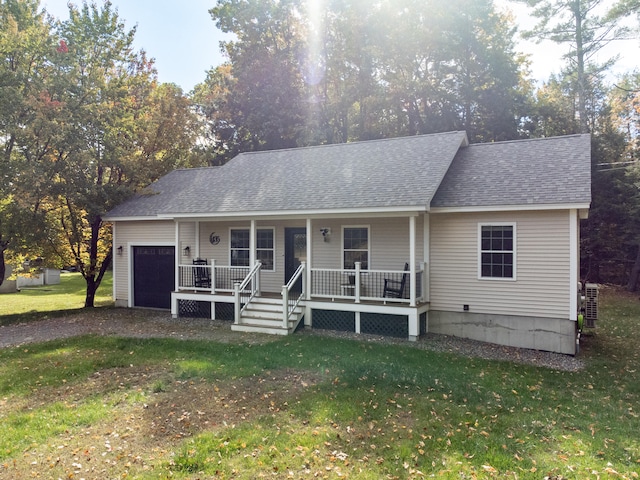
(153, 276)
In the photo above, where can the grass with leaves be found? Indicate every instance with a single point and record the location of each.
(309, 406)
(68, 295)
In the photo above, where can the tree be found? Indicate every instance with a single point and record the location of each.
(118, 131)
(578, 24)
(84, 124)
(625, 101)
(266, 106)
(341, 71)
(219, 137)
(25, 42)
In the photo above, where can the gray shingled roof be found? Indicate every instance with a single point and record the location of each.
(415, 172)
(554, 170)
(397, 172)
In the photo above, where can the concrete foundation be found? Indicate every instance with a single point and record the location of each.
(547, 334)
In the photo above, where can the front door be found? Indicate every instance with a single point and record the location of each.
(295, 252)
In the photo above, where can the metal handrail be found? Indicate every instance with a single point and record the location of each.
(242, 298)
(288, 306)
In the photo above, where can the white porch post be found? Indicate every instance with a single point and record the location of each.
(307, 273)
(213, 287)
(305, 266)
(412, 260)
(114, 263)
(308, 312)
(213, 275)
(285, 306)
(197, 239)
(414, 326)
(238, 305)
(427, 257)
(177, 253)
(358, 266)
(252, 244)
(413, 319)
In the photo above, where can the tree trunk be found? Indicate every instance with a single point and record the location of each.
(92, 286)
(582, 87)
(92, 277)
(3, 268)
(632, 285)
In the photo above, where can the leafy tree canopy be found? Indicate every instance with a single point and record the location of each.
(299, 75)
(92, 125)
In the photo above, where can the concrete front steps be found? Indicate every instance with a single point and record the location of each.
(264, 315)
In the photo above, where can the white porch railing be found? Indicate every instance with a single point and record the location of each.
(216, 279)
(246, 290)
(368, 285)
(354, 285)
(289, 304)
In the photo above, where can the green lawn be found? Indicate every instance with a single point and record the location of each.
(307, 406)
(68, 295)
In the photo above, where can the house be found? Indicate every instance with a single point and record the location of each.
(398, 236)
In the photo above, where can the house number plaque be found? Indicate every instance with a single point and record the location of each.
(214, 239)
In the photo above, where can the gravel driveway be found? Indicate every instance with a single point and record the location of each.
(146, 324)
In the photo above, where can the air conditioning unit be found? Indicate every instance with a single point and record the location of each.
(590, 305)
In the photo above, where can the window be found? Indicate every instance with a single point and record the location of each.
(355, 247)
(264, 247)
(497, 251)
(239, 248)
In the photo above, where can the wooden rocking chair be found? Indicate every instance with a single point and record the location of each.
(395, 288)
(201, 275)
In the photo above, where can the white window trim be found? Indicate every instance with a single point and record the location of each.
(344, 227)
(514, 251)
(273, 233)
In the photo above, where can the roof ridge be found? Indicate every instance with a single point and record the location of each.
(522, 140)
(191, 169)
(343, 144)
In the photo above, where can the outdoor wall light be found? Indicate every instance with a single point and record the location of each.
(187, 251)
(120, 250)
(326, 233)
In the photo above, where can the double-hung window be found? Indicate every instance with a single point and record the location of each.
(265, 249)
(497, 251)
(355, 247)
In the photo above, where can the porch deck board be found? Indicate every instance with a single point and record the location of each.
(229, 297)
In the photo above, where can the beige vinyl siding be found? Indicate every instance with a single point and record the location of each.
(152, 232)
(388, 242)
(541, 287)
(271, 281)
(327, 253)
(186, 236)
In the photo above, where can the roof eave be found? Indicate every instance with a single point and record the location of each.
(129, 218)
(502, 208)
(333, 212)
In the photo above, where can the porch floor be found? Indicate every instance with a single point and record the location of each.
(228, 297)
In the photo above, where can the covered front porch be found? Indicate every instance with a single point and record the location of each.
(333, 273)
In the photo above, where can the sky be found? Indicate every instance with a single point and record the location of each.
(184, 41)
